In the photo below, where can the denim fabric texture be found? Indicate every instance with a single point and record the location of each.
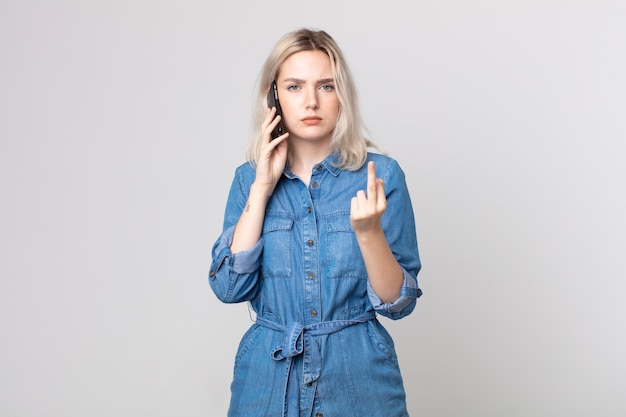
(317, 347)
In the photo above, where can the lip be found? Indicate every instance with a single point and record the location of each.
(311, 120)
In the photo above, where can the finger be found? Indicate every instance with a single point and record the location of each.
(270, 127)
(371, 181)
(276, 148)
(272, 124)
(269, 115)
(354, 207)
(361, 197)
(281, 140)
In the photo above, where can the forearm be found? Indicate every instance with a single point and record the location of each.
(385, 274)
(250, 225)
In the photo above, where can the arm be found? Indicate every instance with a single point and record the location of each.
(387, 226)
(384, 272)
(233, 274)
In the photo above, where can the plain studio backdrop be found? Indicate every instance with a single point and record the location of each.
(121, 124)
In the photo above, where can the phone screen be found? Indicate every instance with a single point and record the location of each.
(272, 101)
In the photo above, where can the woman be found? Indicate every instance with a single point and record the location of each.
(318, 244)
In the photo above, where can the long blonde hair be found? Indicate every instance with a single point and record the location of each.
(348, 139)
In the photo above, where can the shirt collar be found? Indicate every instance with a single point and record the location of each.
(327, 164)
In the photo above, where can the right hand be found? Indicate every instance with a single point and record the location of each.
(272, 153)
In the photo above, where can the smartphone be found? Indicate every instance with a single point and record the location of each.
(272, 101)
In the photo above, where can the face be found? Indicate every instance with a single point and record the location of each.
(306, 91)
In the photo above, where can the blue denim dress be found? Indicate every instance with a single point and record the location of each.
(316, 348)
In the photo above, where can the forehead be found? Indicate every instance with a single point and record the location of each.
(306, 64)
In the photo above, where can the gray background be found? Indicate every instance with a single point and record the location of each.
(121, 123)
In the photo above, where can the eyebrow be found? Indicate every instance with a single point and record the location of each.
(299, 81)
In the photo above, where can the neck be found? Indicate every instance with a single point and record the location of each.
(304, 156)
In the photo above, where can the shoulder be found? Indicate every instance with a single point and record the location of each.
(386, 166)
(381, 159)
(245, 172)
(243, 177)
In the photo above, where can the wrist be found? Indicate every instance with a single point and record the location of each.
(370, 235)
(261, 191)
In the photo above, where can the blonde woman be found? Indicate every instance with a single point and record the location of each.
(319, 236)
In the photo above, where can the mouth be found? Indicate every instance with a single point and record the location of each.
(312, 120)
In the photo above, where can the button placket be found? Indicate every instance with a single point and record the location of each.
(310, 266)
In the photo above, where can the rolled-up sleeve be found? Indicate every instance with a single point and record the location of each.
(233, 277)
(404, 305)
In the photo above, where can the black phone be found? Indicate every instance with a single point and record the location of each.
(272, 101)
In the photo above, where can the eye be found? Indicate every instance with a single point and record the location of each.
(327, 87)
(293, 87)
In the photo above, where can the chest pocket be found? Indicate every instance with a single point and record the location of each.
(277, 246)
(343, 256)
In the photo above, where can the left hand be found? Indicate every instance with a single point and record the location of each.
(367, 209)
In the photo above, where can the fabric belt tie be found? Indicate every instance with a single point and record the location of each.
(299, 340)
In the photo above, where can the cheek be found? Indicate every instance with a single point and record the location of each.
(289, 106)
(288, 113)
(335, 108)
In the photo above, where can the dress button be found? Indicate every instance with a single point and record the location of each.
(312, 275)
(319, 415)
(314, 184)
(212, 274)
(313, 313)
(308, 209)
(310, 243)
(319, 168)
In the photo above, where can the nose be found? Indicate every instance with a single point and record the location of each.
(311, 99)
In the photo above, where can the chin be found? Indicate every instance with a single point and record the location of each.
(313, 136)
